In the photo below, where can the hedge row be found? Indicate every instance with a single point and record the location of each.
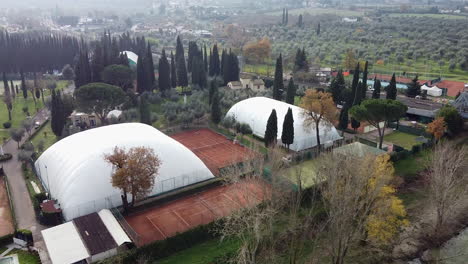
(5, 240)
(167, 247)
(403, 153)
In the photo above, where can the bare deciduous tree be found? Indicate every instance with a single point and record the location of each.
(447, 180)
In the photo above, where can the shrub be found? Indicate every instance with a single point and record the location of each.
(5, 240)
(5, 157)
(7, 125)
(416, 149)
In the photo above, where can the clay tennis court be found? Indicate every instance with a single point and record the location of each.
(215, 150)
(188, 212)
(6, 221)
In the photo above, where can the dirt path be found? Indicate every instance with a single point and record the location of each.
(6, 220)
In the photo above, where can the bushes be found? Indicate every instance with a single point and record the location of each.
(169, 246)
(7, 125)
(5, 157)
(5, 240)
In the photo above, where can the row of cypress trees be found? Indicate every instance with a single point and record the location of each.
(271, 132)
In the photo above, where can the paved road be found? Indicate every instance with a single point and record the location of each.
(24, 212)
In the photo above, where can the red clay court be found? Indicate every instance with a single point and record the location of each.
(215, 150)
(186, 213)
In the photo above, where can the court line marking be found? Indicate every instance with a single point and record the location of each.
(157, 228)
(182, 219)
(208, 207)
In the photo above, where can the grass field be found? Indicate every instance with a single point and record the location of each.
(401, 139)
(412, 165)
(320, 11)
(46, 135)
(306, 171)
(203, 253)
(25, 257)
(437, 16)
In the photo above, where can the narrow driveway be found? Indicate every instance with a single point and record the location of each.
(24, 212)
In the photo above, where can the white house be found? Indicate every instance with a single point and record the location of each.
(254, 84)
(235, 85)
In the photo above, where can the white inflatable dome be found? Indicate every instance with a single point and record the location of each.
(256, 111)
(75, 173)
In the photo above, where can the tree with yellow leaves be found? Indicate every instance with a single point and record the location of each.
(437, 128)
(318, 106)
(358, 200)
(135, 171)
(257, 51)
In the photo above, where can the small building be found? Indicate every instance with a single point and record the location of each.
(358, 149)
(235, 85)
(254, 84)
(86, 239)
(462, 104)
(84, 121)
(432, 91)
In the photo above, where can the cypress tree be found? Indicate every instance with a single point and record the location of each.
(299, 21)
(414, 88)
(182, 78)
(337, 87)
(205, 58)
(173, 72)
(298, 60)
(150, 67)
(287, 136)
(215, 109)
(17, 89)
(7, 96)
(318, 29)
(354, 86)
(145, 111)
(226, 67)
(142, 84)
(344, 119)
(12, 86)
(271, 132)
(377, 87)
(24, 89)
(164, 80)
(235, 69)
(364, 81)
(278, 85)
(58, 114)
(215, 63)
(391, 89)
(213, 89)
(286, 18)
(291, 92)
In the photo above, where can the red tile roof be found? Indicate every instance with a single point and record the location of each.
(453, 87)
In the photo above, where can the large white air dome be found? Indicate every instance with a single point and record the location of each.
(256, 111)
(77, 176)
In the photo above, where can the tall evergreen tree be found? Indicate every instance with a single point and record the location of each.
(318, 29)
(337, 87)
(286, 18)
(24, 88)
(213, 89)
(300, 23)
(215, 108)
(234, 67)
(149, 67)
(224, 67)
(271, 132)
(182, 78)
(377, 86)
(355, 82)
(192, 51)
(7, 96)
(291, 92)
(164, 80)
(145, 111)
(142, 80)
(205, 59)
(173, 72)
(287, 136)
(278, 85)
(391, 89)
(344, 118)
(12, 87)
(59, 113)
(364, 81)
(214, 62)
(414, 88)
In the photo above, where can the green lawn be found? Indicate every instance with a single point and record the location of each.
(25, 257)
(438, 16)
(321, 11)
(203, 253)
(17, 113)
(261, 69)
(46, 135)
(306, 171)
(412, 165)
(401, 139)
